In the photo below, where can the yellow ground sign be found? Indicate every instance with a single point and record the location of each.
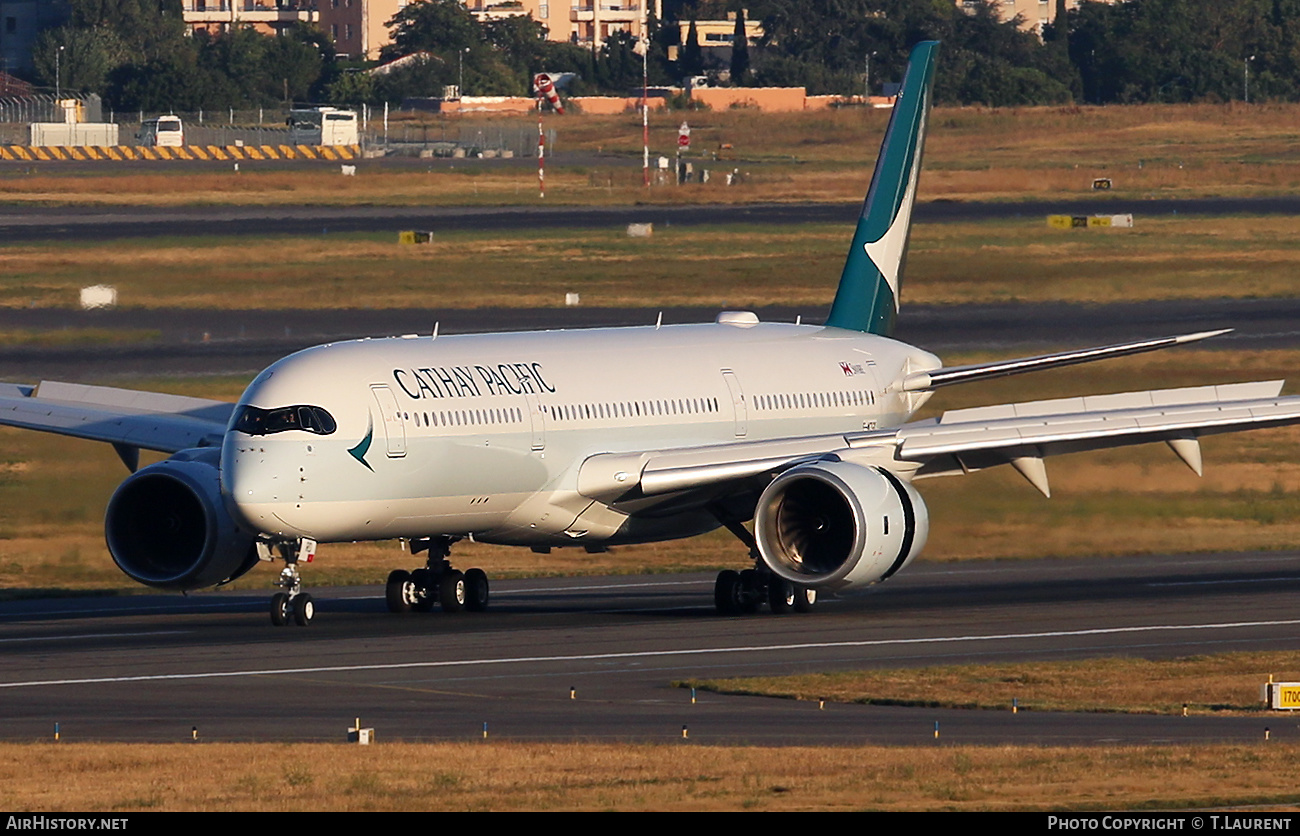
(185, 152)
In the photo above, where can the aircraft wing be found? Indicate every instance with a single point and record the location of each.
(127, 419)
(961, 441)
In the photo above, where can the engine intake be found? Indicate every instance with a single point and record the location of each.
(838, 525)
(167, 526)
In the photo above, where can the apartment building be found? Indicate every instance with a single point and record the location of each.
(266, 16)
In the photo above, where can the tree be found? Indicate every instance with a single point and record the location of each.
(440, 26)
(77, 60)
(691, 58)
(739, 51)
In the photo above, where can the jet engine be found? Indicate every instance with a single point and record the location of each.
(168, 527)
(838, 525)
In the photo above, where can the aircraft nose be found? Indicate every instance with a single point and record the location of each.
(253, 488)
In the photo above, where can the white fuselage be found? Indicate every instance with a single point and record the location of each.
(484, 435)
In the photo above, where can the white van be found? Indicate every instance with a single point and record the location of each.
(164, 131)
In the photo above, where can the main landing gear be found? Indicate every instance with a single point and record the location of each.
(437, 583)
(291, 604)
(745, 592)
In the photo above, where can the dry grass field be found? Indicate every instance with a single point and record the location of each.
(1021, 259)
(972, 153)
(504, 776)
(1224, 683)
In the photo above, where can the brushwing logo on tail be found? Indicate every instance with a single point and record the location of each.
(363, 446)
(886, 252)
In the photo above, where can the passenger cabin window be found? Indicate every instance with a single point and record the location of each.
(257, 421)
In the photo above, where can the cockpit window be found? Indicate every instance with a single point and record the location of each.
(257, 421)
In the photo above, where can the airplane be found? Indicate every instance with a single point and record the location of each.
(600, 437)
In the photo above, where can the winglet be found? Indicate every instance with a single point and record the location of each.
(867, 298)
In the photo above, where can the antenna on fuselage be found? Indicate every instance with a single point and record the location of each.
(435, 329)
(659, 321)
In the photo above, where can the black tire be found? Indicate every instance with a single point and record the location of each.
(752, 591)
(781, 595)
(451, 591)
(304, 609)
(805, 597)
(396, 591)
(425, 590)
(279, 609)
(726, 593)
(476, 590)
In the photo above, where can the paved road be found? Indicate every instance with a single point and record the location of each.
(150, 668)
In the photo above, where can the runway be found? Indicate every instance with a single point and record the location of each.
(154, 667)
(245, 342)
(40, 223)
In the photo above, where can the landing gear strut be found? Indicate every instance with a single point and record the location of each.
(437, 582)
(291, 604)
(745, 592)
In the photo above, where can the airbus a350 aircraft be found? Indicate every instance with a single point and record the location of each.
(601, 437)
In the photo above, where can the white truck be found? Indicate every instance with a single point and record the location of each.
(323, 126)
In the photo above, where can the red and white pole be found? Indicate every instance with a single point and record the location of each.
(545, 91)
(645, 115)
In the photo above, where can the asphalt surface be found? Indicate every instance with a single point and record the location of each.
(35, 223)
(244, 342)
(594, 658)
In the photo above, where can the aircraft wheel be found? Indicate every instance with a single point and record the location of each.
(751, 591)
(476, 590)
(726, 592)
(805, 597)
(451, 591)
(279, 609)
(423, 590)
(304, 609)
(781, 595)
(398, 591)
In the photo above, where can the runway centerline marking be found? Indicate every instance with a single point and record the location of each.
(649, 654)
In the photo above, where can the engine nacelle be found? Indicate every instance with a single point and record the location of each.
(167, 526)
(837, 525)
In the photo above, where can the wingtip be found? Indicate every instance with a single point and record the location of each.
(1203, 335)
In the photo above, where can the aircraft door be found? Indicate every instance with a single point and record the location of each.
(737, 402)
(394, 426)
(536, 417)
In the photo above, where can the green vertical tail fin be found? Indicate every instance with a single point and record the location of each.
(867, 298)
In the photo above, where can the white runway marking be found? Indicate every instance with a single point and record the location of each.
(648, 654)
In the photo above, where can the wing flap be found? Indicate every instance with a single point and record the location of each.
(1110, 421)
(146, 420)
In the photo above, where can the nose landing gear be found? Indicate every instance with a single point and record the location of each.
(293, 603)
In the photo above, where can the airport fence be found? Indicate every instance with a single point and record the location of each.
(437, 136)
